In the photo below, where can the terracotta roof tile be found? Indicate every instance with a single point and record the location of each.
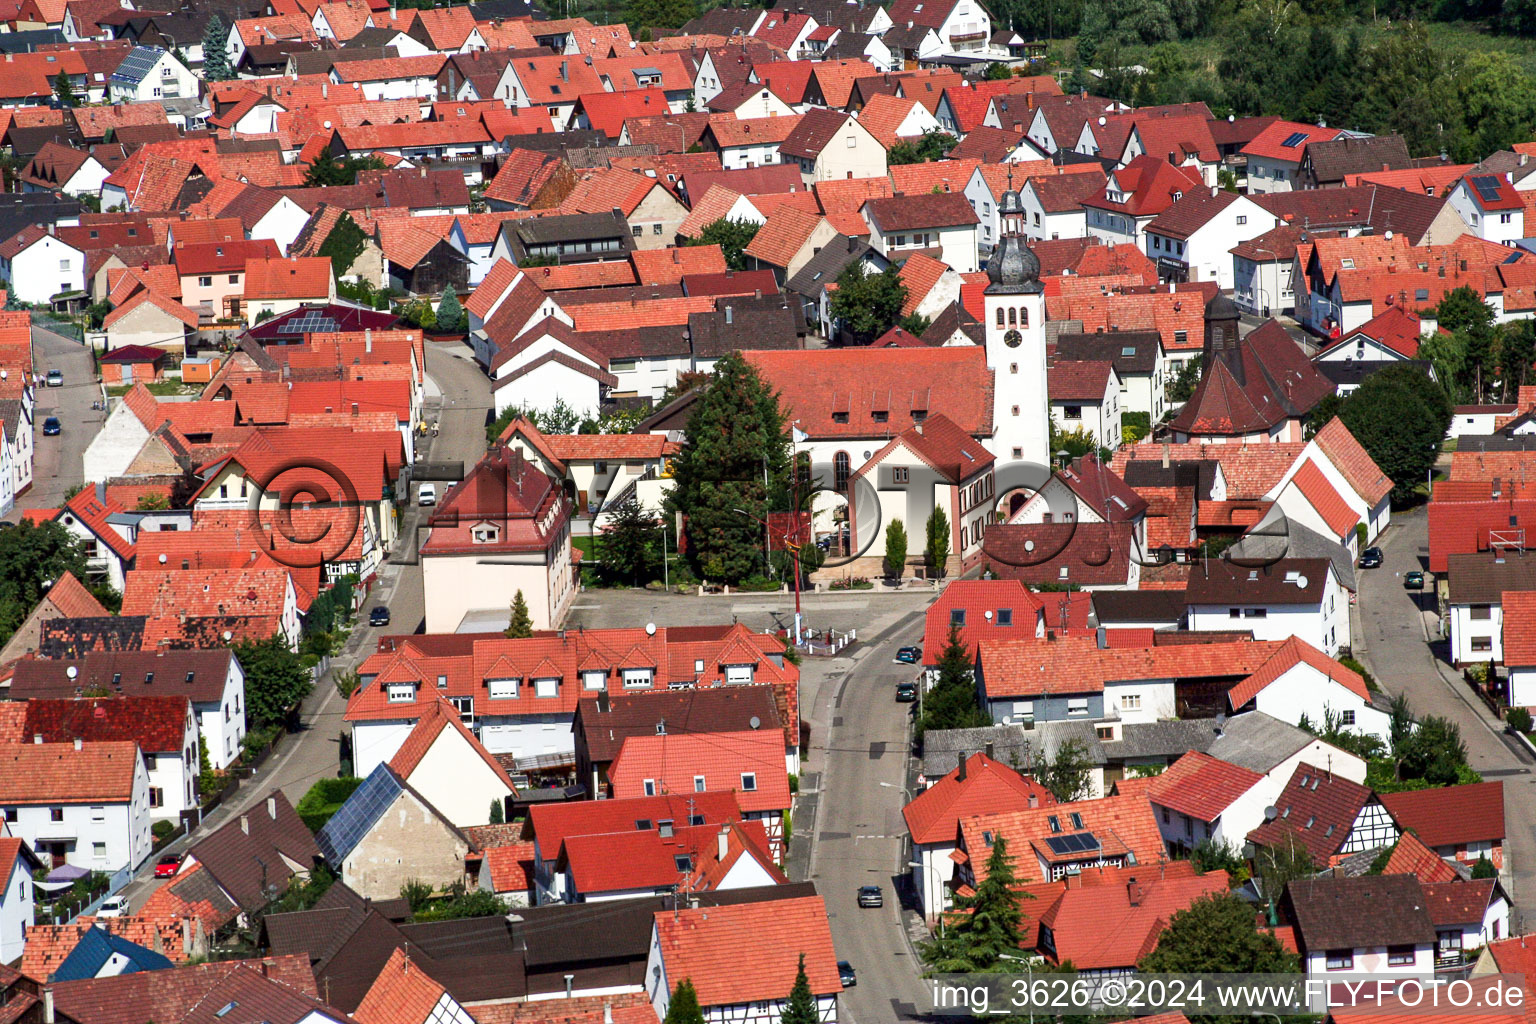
(749, 952)
(1451, 815)
(39, 773)
(1123, 825)
(1316, 809)
(988, 787)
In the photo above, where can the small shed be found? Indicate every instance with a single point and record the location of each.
(133, 364)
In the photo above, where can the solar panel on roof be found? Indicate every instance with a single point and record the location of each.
(1059, 844)
(310, 323)
(349, 824)
(1294, 139)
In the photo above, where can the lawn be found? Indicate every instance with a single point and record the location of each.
(325, 799)
(164, 388)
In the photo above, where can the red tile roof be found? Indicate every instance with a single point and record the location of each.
(1519, 628)
(435, 717)
(1114, 925)
(1291, 653)
(1322, 496)
(675, 762)
(1079, 380)
(988, 787)
(979, 601)
(1124, 825)
(159, 725)
(553, 824)
(1268, 144)
(1076, 664)
(1149, 185)
(818, 387)
(304, 277)
(1411, 857)
(1201, 786)
(402, 993)
(749, 952)
(1462, 902)
(1352, 461)
(1451, 815)
(41, 773)
(512, 867)
(607, 111)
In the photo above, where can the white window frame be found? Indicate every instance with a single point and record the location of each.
(504, 689)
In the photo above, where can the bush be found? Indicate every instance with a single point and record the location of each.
(161, 829)
(1356, 667)
(324, 799)
(1520, 719)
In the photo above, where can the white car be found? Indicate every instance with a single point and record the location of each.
(426, 494)
(113, 906)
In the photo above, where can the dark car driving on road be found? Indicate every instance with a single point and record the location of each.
(52, 426)
(909, 655)
(379, 616)
(1371, 558)
(906, 693)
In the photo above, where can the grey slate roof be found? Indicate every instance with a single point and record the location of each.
(1133, 353)
(139, 62)
(1285, 539)
(825, 265)
(1256, 741)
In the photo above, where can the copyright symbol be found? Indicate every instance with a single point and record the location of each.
(1113, 992)
(312, 509)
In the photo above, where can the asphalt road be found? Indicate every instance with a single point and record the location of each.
(458, 399)
(56, 463)
(1391, 641)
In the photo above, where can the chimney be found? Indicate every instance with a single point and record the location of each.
(1034, 801)
(990, 748)
(1167, 455)
(37, 737)
(1133, 893)
(368, 339)
(48, 1017)
(607, 1007)
(245, 824)
(272, 807)
(79, 744)
(960, 754)
(723, 842)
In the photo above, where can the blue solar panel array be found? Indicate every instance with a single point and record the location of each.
(1081, 842)
(364, 807)
(310, 323)
(137, 64)
(1294, 139)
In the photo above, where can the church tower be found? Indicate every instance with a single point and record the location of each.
(1015, 332)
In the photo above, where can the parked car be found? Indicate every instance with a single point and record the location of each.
(1371, 559)
(167, 866)
(52, 426)
(379, 616)
(870, 896)
(1413, 580)
(849, 976)
(909, 655)
(55, 378)
(113, 906)
(906, 693)
(426, 494)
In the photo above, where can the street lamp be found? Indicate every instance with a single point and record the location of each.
(794, 548)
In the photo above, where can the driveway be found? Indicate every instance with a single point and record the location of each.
(1391, 640)
(57, 461)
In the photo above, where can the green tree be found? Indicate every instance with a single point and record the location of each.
(983, 928)
(1217, 933)
(1483, 868)
(1280, 864)
(1067, 773)
(734, 459)
(275, 679)
(519, 622)
(628, 547)
(732, 236)
(683, 1008)
(937, 542)
(324, 170)
(1400, 417)
(216, 51)
(63, 91)
(930, 146)
(1183, 384)
(498, 814)
(343, 245)
(1464, 313)
(800, 1007)
(895, 549)
(867, 305)
(640, 14)
(152, 501)
(1434, 751)
(1517, 351)
(1076, 443)
(450, 312)
(952, 703)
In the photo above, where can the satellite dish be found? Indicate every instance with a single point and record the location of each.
(228, 636)
(1301, 583)
(1270, 812)
(1029, 545)
(72, 671)
(650, 629)
(162, 558)
(1231, 118)
(755, 722)
(1103, 121)
(987, 615)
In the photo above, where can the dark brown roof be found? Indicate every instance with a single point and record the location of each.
(1317, 808)
(1266, 380)
(1395, 209)
(721, 709)
(1062, 193)
(1349, 913)
(1483, 577)
(1331, 161)
(1133, 353)
(905, 213)
(1191, 213)
(247, 854)
(197, 675)
(745, 322)
(157, 724)
(817, 127)
(1224, 582)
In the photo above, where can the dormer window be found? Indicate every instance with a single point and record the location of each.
(485, 533)
(738, 674)
(1005, 616)
(401, 693)
(636, 678)
(546, 687)
(593, 679)
(749, 782)
(503, 689)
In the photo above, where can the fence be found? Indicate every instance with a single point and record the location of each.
(66, 910)
(828, 642)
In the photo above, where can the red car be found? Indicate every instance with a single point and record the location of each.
(168, 865)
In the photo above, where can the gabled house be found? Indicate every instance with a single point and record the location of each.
(39, 265)
(1373, 924)
(742, 959)
(1200, 798)
(828, 145)
(963, 26)
(978, 785)
(1491, 206)
(1298, 683)
(1293, 597)
(18, 897)
(1328, 816)
(444, 764)
(943, 223)
(386, 834)
(1193, 239)
(1275, 155)
(1085, 395)
(1134, 195)
(671, 858)
(1461, 824)
(1137, 358)
(77, 803)
(250, 859)
(980, 609)
(1050, 842)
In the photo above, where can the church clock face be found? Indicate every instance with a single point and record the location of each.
(1013, 339)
